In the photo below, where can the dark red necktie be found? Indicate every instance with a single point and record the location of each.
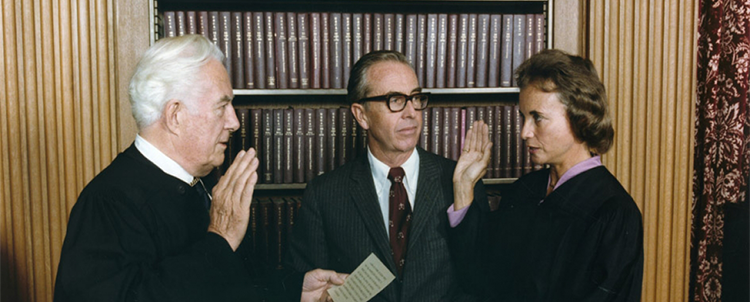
(399, 214)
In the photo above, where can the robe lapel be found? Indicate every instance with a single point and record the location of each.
(366, 200)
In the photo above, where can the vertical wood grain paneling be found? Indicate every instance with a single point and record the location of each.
(645, 51)
(58, 128)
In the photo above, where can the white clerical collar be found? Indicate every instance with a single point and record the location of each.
(161, 160)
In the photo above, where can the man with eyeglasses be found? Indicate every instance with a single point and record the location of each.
(391, 201)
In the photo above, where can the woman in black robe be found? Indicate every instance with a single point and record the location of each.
(569, 232)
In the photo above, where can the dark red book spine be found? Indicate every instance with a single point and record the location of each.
(214, 28)
(366, 33)
(462, 131)
(435, 136)
(291, 213)
(471, 52)
(288, 156)
(361, 141)
(280, 42)
(389, 34)
(278, 231)
(332, 126)
(226, 42)
(519, 42)
(170, 24)
(337, 77)
(420, 65)
(450, 60)
(346, 50)
(493, 66)
(497, 142)
(291, 205)
(293, 50)
(424, 137)
(270, 51)
(325, 51)
(303, 38)
(203, 23)
(192, 22)
(455, 126)
(310, 140)
(264, 228)
(356, 37)
(470, 115)
(445, 148)
(398, 30)
(481, 114)
(278, 146)
(442, 49)
(506, 142)
(463, 49)
(247, 54)
(431, 50)
(321, 140)
(256, 121)
(267, 154)
(299, 145)
(483, 42)
(506, 63)
(517, 143)
(259, 49)
(343, 136)
(238, 51)
(242, 134)
(539, 33)
(410, 46)
(315, 48)
(490, 121)
(530, 36)
(181, 23)
(377, 31)
(253, 229)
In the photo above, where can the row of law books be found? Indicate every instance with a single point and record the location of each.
(271, 222)
(296, 144)
(290, 50)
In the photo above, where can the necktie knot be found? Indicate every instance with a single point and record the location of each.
(396, 174)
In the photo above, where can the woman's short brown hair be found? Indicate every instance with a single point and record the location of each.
(577, 85)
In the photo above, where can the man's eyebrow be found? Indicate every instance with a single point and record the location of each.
(226, 98)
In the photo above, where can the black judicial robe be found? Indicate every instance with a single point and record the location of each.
(139, 234)
(583, 243)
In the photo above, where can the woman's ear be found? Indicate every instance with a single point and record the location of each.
(359, 110)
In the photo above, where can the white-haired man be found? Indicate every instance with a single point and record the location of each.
(147, 228)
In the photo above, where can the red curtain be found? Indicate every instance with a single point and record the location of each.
(721, 138)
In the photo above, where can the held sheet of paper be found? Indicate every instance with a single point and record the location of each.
(370, 277)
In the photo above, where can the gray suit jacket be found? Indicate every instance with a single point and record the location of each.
(340, 224)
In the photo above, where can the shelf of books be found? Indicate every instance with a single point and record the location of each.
(289, 62)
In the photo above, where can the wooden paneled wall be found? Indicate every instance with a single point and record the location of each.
(60, 124)
(645, 53)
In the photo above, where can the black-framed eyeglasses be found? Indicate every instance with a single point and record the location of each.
(396, 102)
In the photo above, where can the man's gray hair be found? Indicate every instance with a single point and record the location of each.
(167, 71)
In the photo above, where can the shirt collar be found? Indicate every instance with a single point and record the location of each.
(161, 160)
(579, 168)
(380, 171)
